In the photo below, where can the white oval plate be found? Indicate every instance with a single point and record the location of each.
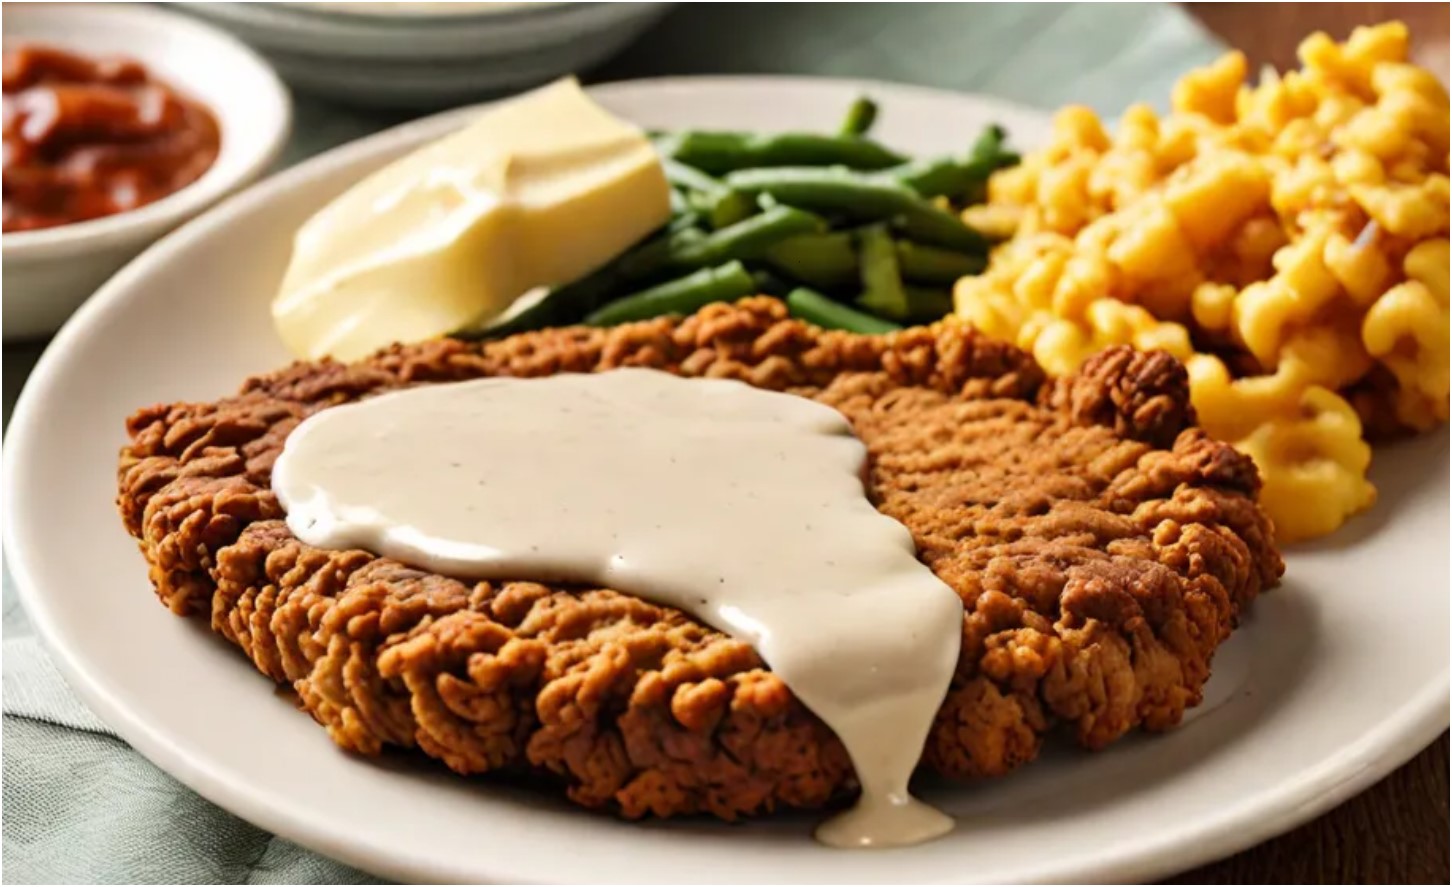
(1337, 677)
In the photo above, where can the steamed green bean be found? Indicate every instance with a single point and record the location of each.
(957, 177)
(930, 264)
(859, 196)
(861, 114)
(718, 153)
(681, 296)
(816, 308)
(882, 289)
(926, 304)
(826, 261)
(721, 205)
(559, 306)
(749, 238)
(692, 248)
(935, 176)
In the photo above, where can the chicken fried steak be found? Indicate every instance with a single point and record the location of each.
(1102, 547)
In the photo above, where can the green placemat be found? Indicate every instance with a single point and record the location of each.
(81, 806)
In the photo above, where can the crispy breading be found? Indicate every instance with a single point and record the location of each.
(1102, 546)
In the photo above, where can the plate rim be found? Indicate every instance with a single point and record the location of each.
(1273, 810)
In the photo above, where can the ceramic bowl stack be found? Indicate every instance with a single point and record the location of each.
(50, 271)
(416, 55)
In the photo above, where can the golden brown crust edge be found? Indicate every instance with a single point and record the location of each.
(1102, 547)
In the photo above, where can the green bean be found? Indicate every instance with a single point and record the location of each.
(751, 238)
(680, 296)
(950, 177)
(989, 154)
(926, 304)
(987, 157)
(930, 264)
(688, 177)
(861, 114)
(729, 207)
(859, 196)
(720, 204)
(571, 302)
(748, 239)
(718, 153)
(957, 177)
(560, 306)
(656, 256)
(938, 227)
(827, 189)
(683, 221)
(826, 261)
(882, 289)
(934, 177)
(770, 284)
(990, 143)
(816, 308)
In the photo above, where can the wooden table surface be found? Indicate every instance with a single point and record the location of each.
(1397, 831)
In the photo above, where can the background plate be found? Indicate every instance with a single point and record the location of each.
(1336, 678)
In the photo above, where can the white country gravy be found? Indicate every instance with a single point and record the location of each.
(742, 507)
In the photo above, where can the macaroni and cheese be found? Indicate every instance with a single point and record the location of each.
(1284, 240)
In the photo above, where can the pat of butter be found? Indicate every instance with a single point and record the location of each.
(539, 191)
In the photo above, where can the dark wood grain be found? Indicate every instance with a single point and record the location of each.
(1269, 32)
(1397, 831)
(1394, 833)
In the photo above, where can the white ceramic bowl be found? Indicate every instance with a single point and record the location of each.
(51, 271)
(430, 55)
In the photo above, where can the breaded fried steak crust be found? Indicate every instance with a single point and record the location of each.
(1102, 546)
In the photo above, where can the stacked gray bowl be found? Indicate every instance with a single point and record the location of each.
(419, 54)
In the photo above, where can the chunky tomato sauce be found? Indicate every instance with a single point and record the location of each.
(86, 138)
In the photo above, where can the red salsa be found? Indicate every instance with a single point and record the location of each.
(86, 138)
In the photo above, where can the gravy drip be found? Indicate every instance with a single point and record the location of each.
(741, 507)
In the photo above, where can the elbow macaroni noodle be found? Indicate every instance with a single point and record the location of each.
(1300, 225)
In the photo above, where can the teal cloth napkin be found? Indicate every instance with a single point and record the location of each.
(81, 806)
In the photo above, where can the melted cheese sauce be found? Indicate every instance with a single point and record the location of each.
(742, 507)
